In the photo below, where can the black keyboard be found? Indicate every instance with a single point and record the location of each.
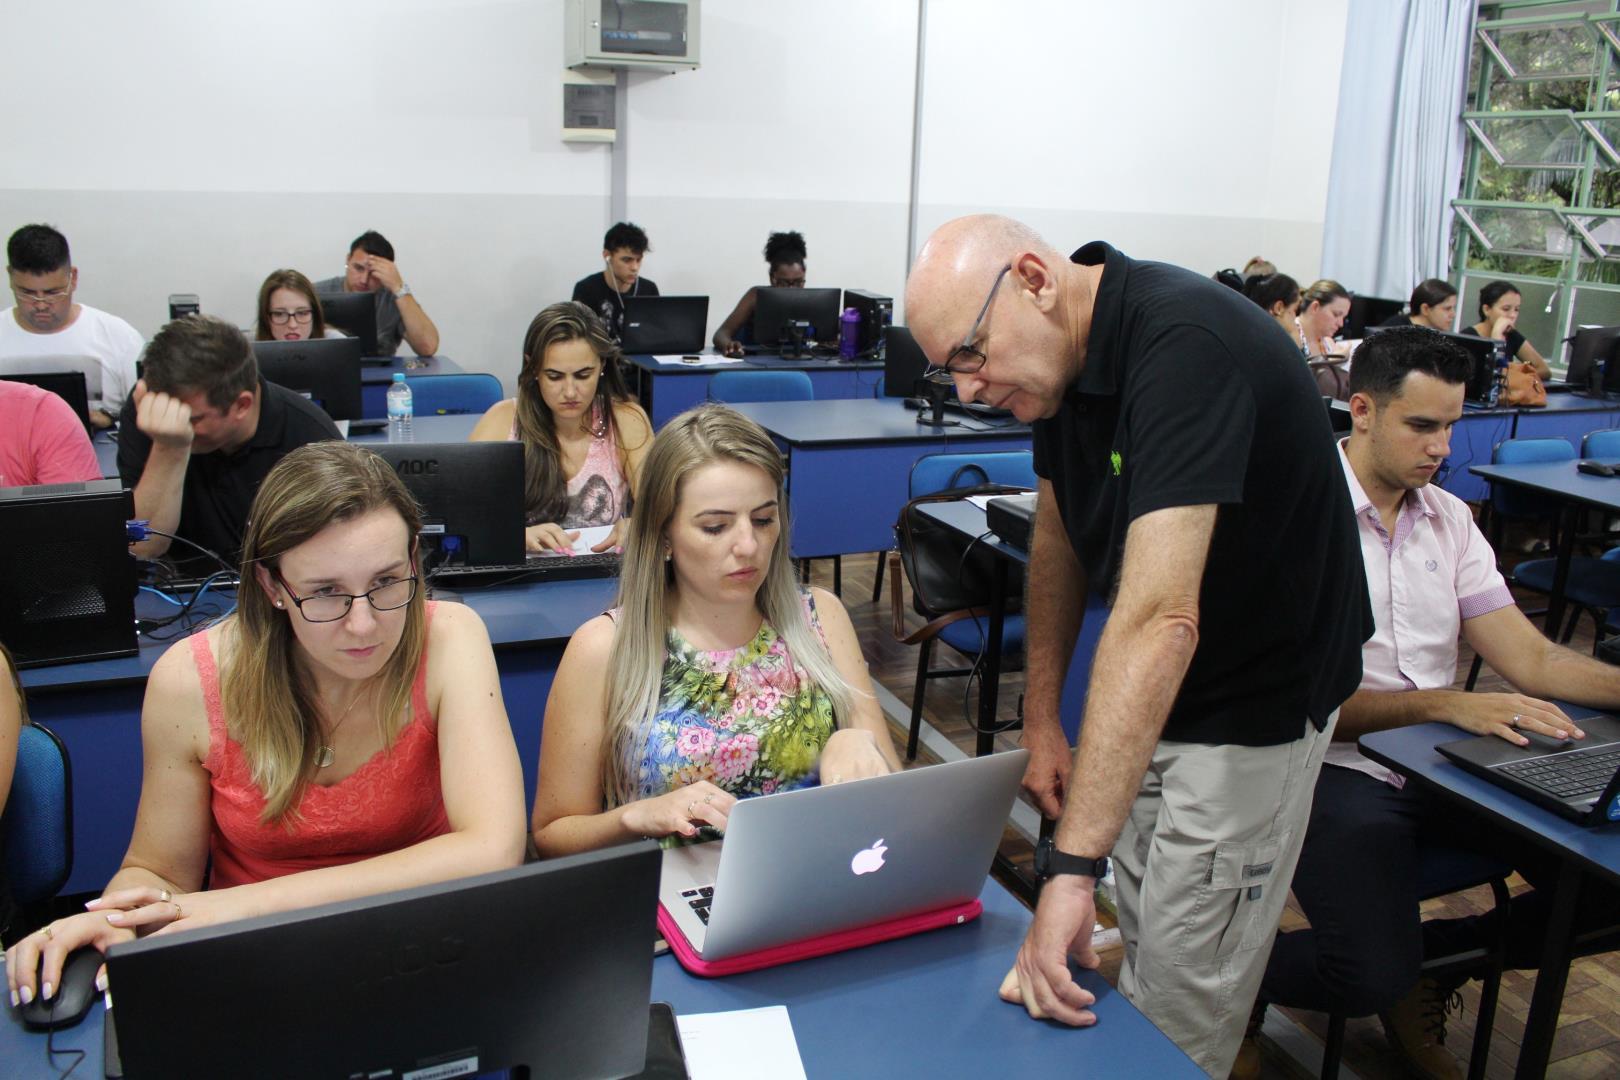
(536, 567)
(1578, 774)
(700, 900)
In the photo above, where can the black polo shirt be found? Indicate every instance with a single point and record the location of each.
(1191, 396)
(219, 487)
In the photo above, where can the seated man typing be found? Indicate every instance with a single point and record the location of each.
(1430, 574)
(200, 433)
(371, 268)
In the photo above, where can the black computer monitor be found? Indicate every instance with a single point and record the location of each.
(325, 370)
(1483, 350)
(775, 309)
(471, 495)
(356, 315)
(67, 581)
(664, 324)
(1368, 311)
(1591, 355)
(903, 364)
(545, 969)
(70, 386)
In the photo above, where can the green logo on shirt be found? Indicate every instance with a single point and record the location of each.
(1115, 460)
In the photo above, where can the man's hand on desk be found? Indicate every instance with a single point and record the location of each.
(1508, 715)
(1040, 980)
(1046, 778)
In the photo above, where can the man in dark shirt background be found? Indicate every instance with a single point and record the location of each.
(606, 290)
(1188, 473)
(201, 432)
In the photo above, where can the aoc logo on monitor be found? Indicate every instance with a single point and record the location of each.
(418, 467)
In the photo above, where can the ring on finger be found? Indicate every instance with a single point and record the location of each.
(1516, 719)
(165, 896)
(708, 798)
(691, 808)
(179, 911)
(50, 934)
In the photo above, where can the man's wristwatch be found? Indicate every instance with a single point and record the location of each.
(402, 292)
(1049, 862)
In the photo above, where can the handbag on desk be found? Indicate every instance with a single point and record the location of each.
(1524, 387)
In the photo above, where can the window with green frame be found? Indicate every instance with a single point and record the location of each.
(1540, 203)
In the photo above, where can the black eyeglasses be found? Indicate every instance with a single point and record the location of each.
(330, 607)
(300, 315)
(965, 359)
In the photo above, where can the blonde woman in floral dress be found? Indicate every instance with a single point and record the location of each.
(716, 677)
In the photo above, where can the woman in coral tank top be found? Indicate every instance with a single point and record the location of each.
(336, 737)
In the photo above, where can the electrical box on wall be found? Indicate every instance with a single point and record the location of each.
(589, 106)
(654, 35)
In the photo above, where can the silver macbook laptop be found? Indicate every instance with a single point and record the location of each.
(802, 864)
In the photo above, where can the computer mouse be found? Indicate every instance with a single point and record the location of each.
(1595, 468)
(73, 998)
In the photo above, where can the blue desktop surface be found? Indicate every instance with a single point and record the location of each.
(920, 1006)
(667, 390)
(1567, 416)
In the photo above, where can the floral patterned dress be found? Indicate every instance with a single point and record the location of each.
(748, 720)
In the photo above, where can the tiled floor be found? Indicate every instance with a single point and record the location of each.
(1588, 1042)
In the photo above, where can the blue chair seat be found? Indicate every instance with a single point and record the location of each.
(1593, 583)
(966, 635)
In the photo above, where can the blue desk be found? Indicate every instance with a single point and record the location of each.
(849, 465)
(1567, 416)
(96, 707)
(1564, 483)
(921, 1006)
(374, 378)
(1585, 854)
(968, 521)
(667, 390)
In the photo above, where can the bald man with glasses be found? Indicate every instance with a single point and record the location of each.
(1187, 472)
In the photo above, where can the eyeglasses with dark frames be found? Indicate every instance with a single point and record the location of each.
(298, 315)
(330, 607)
(965, 359)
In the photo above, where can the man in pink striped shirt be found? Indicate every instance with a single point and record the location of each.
(41, 440)
(1431, 575)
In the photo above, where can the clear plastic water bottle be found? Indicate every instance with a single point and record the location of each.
(849, 331)
(399, 409)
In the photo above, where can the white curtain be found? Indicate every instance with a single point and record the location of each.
(1398, 144)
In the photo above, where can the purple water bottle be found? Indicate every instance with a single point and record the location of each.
(849, 328)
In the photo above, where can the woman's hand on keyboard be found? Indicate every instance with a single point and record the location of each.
(679, 813)
(549, 536)
(851, 754)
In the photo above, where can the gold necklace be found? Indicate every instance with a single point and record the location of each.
(324, 754)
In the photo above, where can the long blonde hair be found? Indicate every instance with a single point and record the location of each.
(697, 437)
(269, 694)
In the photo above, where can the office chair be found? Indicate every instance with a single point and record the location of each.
(36, 831)
(736, 387)
(450, 395)
(1442, 871)
(1509, 504)
(960, 628)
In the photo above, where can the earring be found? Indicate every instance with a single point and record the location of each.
(667, 556)
(279, 604)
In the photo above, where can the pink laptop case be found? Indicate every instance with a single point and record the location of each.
(954, 915)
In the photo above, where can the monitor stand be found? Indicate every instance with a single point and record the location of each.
(936, 393)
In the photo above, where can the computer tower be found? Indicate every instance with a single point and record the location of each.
(877, 312)
(67, 579)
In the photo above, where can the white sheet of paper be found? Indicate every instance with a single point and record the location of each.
(982, 501)
(680, 359)
(734, 1045)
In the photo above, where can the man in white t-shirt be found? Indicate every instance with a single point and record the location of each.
(47, 331)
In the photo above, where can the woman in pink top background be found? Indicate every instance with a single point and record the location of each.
(333, 738)
(584, 438)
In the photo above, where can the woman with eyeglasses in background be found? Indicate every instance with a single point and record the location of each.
(289, 310)
(336, 737)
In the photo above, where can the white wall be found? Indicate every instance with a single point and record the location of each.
(193, 146)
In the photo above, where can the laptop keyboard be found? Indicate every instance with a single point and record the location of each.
(1574, 775)
(556, 567)
(700, 901)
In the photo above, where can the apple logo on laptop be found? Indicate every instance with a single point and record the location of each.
(868, 860)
